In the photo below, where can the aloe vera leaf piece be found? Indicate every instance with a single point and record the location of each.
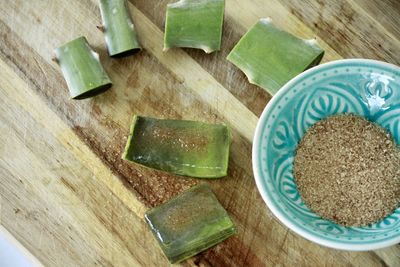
(194, 24)
(119, 31)
(181, 147)
(190, 223)
(270, 57)
(82, 69)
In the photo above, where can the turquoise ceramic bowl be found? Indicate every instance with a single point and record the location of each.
(364, 87)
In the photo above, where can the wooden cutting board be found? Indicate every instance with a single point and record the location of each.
(66, 195)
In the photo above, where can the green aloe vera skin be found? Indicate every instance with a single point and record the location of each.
(181, 147)
(194, 24)
(270, 57)
(82, 70)
(190, 223)
(119, 31)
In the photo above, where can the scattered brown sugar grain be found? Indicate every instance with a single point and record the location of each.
(347, 170)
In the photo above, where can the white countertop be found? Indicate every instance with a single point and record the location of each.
(13, 254)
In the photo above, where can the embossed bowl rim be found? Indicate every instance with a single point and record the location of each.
(257, 172)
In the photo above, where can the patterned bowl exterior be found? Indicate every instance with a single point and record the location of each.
(364, 87)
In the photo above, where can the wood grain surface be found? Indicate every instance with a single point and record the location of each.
(66, 195)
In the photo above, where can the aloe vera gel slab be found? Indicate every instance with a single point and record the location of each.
(82, 70)
(119, 31)
(190, 223)
(270, 57)
(195, 24)
(181, 147)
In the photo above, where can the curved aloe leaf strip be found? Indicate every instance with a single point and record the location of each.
(195, 24)
(190, 223)
(270, 57)
(119, 31)
(181, 147)
(82, 70)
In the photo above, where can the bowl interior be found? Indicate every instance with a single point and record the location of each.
(364, 87)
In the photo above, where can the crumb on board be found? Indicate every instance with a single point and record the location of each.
(347, 170)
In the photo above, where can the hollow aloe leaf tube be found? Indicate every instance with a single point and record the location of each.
(119, 31)
(270, 57)
(82, 70)
(181, 147)
(190, 223)
(195, 24)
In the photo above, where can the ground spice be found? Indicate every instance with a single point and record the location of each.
(347, 170)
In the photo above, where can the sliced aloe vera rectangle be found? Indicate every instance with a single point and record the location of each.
(119, 31)
(195, 24)
(190, 223)
(270, 57)
(82, 69)
(181, 147)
